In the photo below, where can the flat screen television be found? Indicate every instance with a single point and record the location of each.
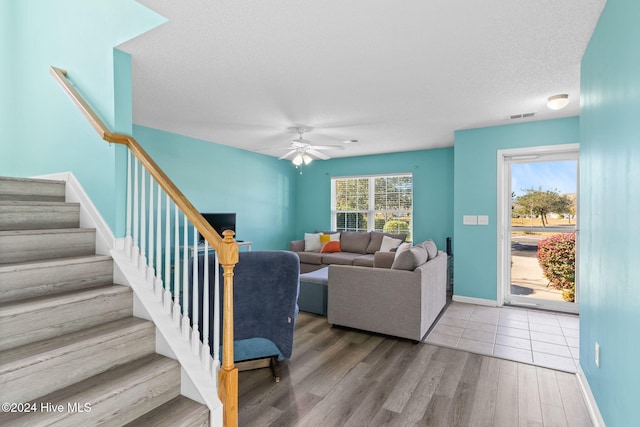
(220, 222)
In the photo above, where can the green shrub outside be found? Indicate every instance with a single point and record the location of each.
(557, 257)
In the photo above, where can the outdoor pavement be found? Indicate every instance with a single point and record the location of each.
(526, 274)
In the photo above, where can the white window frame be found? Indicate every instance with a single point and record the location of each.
(371, 211)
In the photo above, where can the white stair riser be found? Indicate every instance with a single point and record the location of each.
(30, 216)
(21, 281)
(22, 323)
(61, 367)
(17, 246)
(31, 190)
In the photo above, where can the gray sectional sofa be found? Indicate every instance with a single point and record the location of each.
(398, 302)
(393, 293)
(357, 249)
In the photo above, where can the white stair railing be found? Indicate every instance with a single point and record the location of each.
(153, 225)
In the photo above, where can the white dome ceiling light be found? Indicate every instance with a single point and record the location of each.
(558, 102)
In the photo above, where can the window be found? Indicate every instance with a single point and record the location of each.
(368, 203)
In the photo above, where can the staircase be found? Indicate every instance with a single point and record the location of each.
(71, 352)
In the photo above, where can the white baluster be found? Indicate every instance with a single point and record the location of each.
(128, 243)
(157, 285)
(185, 281)
(176, 269)
(206, 350)
(142, 261)
(136, 248)
(216, 312)
(151, 249)
(195, 333)
(167, 258)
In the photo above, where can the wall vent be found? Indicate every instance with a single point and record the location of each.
(521, 116)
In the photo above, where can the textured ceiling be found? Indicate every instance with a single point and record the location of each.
(395, 75)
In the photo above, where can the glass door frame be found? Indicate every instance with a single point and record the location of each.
(505, 158)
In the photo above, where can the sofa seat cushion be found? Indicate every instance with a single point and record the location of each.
(341, 258)
(254, 348)
(311, 257)
(364, 260)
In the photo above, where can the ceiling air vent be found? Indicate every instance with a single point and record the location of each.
(521, 116)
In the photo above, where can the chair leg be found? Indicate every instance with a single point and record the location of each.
(275, 368)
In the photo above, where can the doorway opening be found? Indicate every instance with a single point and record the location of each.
(538, 227)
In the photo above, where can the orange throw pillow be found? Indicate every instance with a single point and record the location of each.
(331, 247)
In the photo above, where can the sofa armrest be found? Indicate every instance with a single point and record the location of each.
(383, 259)
(296, 246)
(434, 295)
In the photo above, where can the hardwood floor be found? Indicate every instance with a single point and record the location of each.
(343, 377)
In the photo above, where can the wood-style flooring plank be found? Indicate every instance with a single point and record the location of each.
(343, 377)
(462, 402)
(507, 409)
(550, 400)
(484, 404)
(575, 408)
(424, 391)
(456, 360)
(409, 380)
(322, 414)
(528, 396)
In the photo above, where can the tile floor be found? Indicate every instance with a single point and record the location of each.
(540, 338)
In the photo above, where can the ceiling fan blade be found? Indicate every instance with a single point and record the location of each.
(318, 154)
(327, 147)
(289, 155)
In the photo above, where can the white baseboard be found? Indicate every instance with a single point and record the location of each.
(590, 401)
(89, 215)
(476, 301)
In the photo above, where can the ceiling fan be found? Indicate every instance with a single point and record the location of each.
(303, 151)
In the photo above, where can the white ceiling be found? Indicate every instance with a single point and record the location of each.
(396, 75)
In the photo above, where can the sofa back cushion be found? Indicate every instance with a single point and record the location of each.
(351, 241)
(376, 240)
(430, 246)
(410, 259)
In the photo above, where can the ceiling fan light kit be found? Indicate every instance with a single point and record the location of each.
(301, 158)
(303, 152)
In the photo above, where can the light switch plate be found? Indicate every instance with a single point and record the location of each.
(470, 220)
(483, 219)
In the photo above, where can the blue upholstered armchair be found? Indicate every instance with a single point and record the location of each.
(266, 286)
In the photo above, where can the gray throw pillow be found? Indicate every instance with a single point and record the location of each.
(431, 248)
(351, 241)
(410, 259)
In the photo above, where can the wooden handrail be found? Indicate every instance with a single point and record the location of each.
(226, 247)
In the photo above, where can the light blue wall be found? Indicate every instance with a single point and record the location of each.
(432, 190)
(609, 264)
(217, 178)
(475, 190)
(50, 134)
(7, 94)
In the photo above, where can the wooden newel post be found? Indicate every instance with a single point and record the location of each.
(228, 374)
